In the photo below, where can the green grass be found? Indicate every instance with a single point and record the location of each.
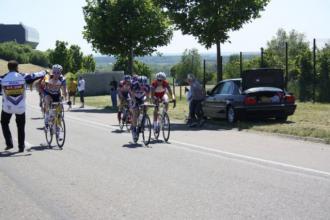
(309, 121)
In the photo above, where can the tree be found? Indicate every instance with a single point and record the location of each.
(305, 76)
(324, 85)
(139, 68)
(232, 68)
(88, 63)
(211, 20)
(126, 28)
(190, 63)
(76, 58)
(60, 55)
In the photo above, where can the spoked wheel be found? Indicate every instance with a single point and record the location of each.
(128, 121)
(157, 130)
(122, 122)
(60, 132)
(49, 134)
(166, 126)
(146, 130)
(62, 110)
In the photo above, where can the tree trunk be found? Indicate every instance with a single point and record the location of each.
(219, 62)
(130, 61)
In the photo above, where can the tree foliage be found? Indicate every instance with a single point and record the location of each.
(190, 63)
(125, 28)
(76, 58)
(60, 55)
(23, 54)
(324, 77)
(212, 20)
(139, 68)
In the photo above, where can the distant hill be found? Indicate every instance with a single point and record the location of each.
(23, 68)
(168, 59)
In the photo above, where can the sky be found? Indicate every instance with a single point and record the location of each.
(63, 20)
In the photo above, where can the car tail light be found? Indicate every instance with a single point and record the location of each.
(250, 101)
(290, 99)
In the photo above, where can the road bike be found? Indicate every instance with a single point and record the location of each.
(163, 122)
(125, 118)
(56, 125)
(143, 125)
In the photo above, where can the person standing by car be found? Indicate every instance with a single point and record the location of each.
(113, 92)
(13, 102)
(197, 95)
(81, 90)
(72, 89)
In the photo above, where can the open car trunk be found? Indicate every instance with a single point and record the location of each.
(263, 77)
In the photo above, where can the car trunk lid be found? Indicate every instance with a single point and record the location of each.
(263, 77)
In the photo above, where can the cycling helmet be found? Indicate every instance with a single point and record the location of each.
(127, 78)
(144, 80)
(135, 78)
(57, 69)
(161, 76)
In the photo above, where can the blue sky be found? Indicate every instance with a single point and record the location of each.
(63, 20)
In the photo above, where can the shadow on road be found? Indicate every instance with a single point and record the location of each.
(95, 110)
(37, 118)
(13, 154)
(222, 125)
(42, 147)
(132, 145)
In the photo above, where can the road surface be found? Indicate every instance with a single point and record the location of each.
(200, 174)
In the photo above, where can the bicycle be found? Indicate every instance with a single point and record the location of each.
(163, 121)
(56, 125)
(143, 125)
(126, 117)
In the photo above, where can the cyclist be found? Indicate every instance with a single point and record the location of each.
(140, 91)
(52, 86)
(159, 88)
(123, 94)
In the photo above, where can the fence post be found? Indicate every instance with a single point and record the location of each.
(262, 57)
(204, 76)
(241, 64)
(173, 85)
(314, 68)
(286, 65)
(180, 92)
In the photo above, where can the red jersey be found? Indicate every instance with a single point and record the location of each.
(160, 90)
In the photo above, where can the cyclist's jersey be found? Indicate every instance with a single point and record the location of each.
(124, 89)
(139, 91)
(52, 86)
(159, 90)
(13, 90)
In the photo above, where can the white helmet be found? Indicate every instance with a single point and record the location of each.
(161, 76)
(57, 69)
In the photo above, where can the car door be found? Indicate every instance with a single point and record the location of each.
(209, 104)
(224, 96)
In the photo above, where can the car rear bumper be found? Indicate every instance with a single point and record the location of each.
(267, 110)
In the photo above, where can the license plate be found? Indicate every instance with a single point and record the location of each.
(265, 99)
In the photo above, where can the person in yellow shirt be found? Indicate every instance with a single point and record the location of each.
(72, 89)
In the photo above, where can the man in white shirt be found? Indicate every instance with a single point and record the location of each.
(81, 90)
(13, 102)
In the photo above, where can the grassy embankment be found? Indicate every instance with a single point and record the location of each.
(309, 121)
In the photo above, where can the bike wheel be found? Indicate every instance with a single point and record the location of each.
(122, 121)
(146, 130)
(166, 126)
(128, 121)
(49, 134)
(157, 130)
(60, 132)
(62, 110)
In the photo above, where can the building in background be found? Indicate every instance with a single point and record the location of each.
(20, 33)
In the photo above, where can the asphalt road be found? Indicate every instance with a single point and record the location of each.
(201, 174)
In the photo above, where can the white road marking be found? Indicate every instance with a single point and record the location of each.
(225, 154)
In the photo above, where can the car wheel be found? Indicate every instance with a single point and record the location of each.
(231, 115)
(282, 118)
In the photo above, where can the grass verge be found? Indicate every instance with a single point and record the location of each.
(309, 121)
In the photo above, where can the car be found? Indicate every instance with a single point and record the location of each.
(259, 93)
